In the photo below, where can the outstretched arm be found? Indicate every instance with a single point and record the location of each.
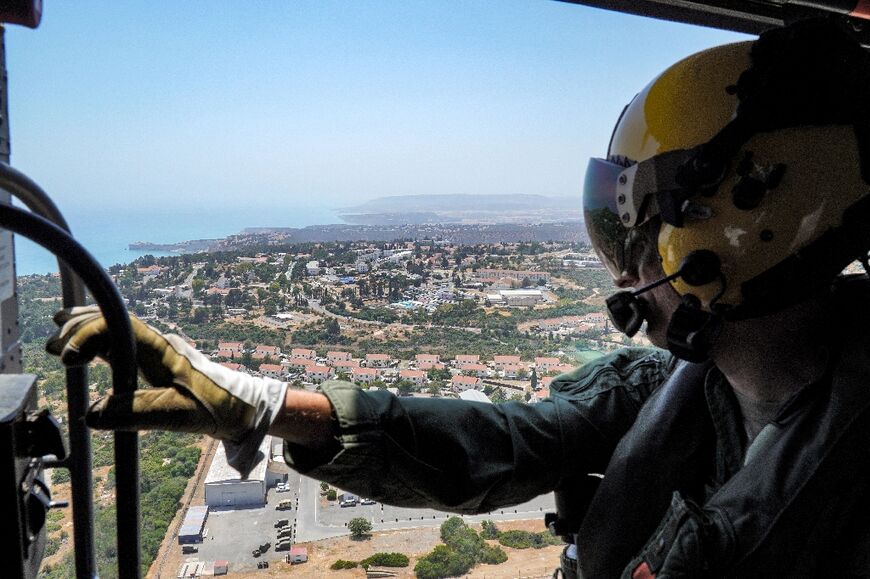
(448, 454)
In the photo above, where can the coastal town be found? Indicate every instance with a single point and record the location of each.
(488, 322)
(500, 318)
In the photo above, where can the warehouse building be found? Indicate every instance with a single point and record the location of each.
(224, 487)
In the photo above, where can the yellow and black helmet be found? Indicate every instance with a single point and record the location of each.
(754, 157)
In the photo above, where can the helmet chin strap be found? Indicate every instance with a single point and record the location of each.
(691, 331)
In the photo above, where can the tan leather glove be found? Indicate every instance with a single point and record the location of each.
(190, 394)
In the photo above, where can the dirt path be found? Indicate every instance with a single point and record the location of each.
(168, 556)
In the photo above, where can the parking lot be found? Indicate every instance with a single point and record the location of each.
(232, 533)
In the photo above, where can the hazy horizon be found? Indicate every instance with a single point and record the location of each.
(145, 105)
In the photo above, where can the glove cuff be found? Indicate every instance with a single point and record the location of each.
(245, 455)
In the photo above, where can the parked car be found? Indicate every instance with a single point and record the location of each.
(347, 500)
(265, 547)
(189, 549)
(255, 552)
(281, 523)
(285, 504)
(367, 501)
(283, 546)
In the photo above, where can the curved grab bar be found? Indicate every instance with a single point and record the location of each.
(123, 365)
(37, 200)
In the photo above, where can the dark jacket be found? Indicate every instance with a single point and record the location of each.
(677, 499)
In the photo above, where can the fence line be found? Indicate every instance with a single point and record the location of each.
(204, 458)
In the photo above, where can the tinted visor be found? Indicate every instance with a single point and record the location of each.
(608, 236)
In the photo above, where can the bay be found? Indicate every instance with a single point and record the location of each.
(107, 232)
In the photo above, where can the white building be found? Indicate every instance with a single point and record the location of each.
(312, 268)
(224, 487)
(521, 297)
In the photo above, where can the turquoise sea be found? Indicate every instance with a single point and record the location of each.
(106, 233)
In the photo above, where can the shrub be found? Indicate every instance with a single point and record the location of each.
(59, 475)
(488, 530)
(331, 495)
(342, 564)
(359, 527)
(443, 562)
(492, 555)
(52, 545)
(385, 560)
(527, 540)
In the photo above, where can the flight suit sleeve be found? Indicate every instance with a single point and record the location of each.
(472, 457)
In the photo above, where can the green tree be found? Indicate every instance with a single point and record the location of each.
(405, 387)
(359, 527)
(488, 530)
(197, 284)
(200, 315)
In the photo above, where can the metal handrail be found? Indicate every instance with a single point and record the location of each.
(37, 200)
(123, 364)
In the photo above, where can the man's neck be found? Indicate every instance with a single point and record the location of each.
(769, 359)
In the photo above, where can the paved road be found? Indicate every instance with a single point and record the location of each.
(314, 523)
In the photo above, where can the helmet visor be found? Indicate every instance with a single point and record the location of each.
(608, 235)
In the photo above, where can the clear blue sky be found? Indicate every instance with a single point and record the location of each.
(241, 103)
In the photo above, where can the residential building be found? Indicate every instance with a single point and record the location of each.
(501, 361)
(271, 351)
(516, 275)
(301, 363)
(303, 353)
(346, 365)
(427, 359)
(465, 359)
(364, 375)
(431, 366)
(333, 356)
(271, 371)
(234, 346)
(378, 360)
(232, 366)
(417, 377)
(544, 364)
(460, 383)
(312, 268)
(318, 373)
(151, 271)
(481, 370)
(513, 370)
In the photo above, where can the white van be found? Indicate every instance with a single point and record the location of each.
(348, 500)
